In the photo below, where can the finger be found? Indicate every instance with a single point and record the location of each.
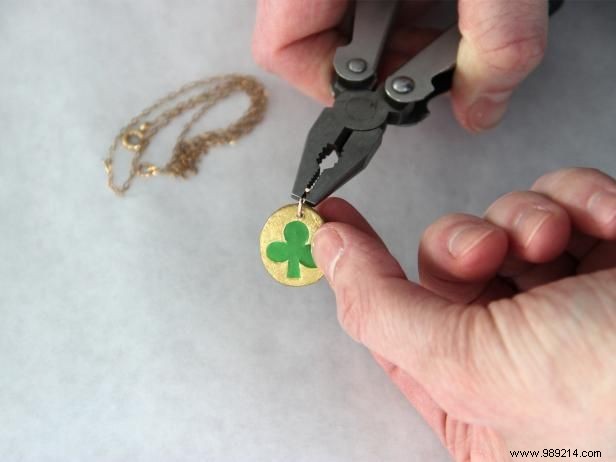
(297, 40)
(502, 42)
(588, 196)
(537, 227)
(408, 325)
(339, 210)
(366, 280)
(458, 256)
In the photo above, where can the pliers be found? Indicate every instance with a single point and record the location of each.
(350, 132)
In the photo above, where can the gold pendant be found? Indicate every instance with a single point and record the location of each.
(286, 245)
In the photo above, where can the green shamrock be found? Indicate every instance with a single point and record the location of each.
(294, 250)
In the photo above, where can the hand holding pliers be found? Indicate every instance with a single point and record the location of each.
(353, 128)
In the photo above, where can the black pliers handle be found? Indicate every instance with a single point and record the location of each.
(351, 131)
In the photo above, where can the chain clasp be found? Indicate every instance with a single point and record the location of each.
(133, 140)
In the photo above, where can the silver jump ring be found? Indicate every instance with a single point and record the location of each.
(301, 202)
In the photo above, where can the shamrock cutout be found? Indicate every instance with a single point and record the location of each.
(294, 250)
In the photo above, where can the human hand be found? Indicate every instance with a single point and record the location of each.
(509, 343)
(503, 41)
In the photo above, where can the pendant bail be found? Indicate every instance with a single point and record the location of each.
(301, 202)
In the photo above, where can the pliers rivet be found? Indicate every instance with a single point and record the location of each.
(357, 65)
(403, 85)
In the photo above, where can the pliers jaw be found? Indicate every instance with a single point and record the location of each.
(351, 131)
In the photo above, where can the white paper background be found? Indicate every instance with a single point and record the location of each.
(144, 328)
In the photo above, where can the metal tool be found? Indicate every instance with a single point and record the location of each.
(351, 131)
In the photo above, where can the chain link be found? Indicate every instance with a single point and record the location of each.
(138, 133)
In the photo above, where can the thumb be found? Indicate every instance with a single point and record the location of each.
(502, 42)
(377, 306)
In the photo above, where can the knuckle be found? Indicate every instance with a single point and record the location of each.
(363, 299)
(444, 223)
(512, 43)
(261, 55)
(512, 196)
(565, 175)
(459, 327)
(458, 347)
(264, 54)
(503, 201)
(582, 172)
(524, 198)
(350, 311)
(520, 55)
(262, 45)
(545, 181)
(355, 297)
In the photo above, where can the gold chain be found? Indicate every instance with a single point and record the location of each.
(137, 135)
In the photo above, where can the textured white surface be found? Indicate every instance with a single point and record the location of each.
(144, 328)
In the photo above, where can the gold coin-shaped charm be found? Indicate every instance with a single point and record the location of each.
(286, 246)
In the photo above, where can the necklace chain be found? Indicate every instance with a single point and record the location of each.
(138, 133)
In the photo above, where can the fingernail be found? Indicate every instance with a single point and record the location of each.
(466, 239)
(327, 248)
(602, 206)
(488, 110)
(529, 221)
